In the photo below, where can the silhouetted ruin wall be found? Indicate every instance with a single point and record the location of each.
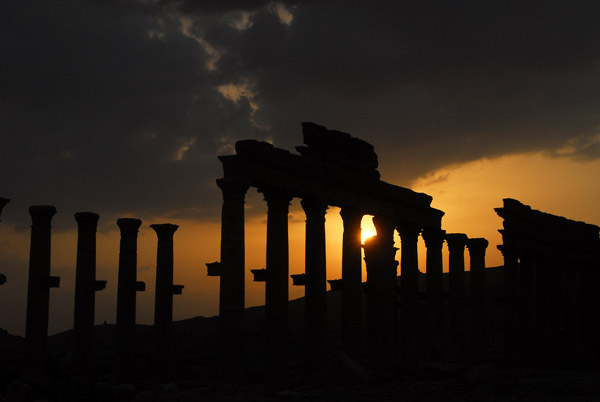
(552, 279)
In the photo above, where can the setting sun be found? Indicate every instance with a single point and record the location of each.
(365, 234)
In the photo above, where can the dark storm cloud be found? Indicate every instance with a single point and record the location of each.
(99, 100)
(427, 83)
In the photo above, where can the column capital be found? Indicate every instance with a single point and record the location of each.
(129, 226)
(456, 242)
(87, 221)
(314, 209)
(42, 214)
(233, 188)
(409, 231)
(164, 231)
(351, 215)
(276, 198)
(477, 246)
(434, 237)
(384, 222)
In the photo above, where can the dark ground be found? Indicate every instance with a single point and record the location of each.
(338, 378)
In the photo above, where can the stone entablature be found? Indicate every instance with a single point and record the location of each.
(318, 175)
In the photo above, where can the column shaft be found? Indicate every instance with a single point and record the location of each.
(126, 292)
(511, 293)
(85, 293)
(163, 305)
(409, 291)
(351, 280)
(437, 331)
(456, 266)
(479, 335)
(381, 294)
(232, 278)
(276, 292)
(38, 289)
(316, 279)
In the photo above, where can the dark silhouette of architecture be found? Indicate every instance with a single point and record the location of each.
(38, 289)
(479, 316)
(552, 285)
(163, 302)
(128, 285)
(336, 169)
(86, 287)
(549, 301)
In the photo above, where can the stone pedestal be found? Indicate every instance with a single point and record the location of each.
(381, 295)
(38, 289)
(163, 306)
(126, 294)
(457, 295)
(85, 294)
(479, 335)
(409, 291)
(351, 281)
(437, 331)
(276, 289)
(315, 296)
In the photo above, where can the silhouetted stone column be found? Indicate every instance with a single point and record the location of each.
(316, 279)
(38, 289)
(479, 338)
(526, 309)
(86, 286)
(126, 294)
(351, 280)
(511, 293)
(276, 292)
(381, 294)
(456, 266)
(409, 291)
(163, 306)
(434, 240)
(232, 274)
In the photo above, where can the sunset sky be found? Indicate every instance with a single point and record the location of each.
(122, 107)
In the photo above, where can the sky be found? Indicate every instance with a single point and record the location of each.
(122, 107)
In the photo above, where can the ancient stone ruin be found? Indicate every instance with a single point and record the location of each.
(549, 307)
(552, 282)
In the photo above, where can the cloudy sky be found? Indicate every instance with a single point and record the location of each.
(122, 107)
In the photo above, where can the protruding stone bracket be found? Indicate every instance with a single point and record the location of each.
(3, 202)
(140, 286)
(177, 289)
(260, 275)
(336, 285)
(54, 281)
(299, 279)
(99, 285)
(213, 268)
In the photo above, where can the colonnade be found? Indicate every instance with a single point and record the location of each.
(381, 288)
(552, 284)
(40, 281)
